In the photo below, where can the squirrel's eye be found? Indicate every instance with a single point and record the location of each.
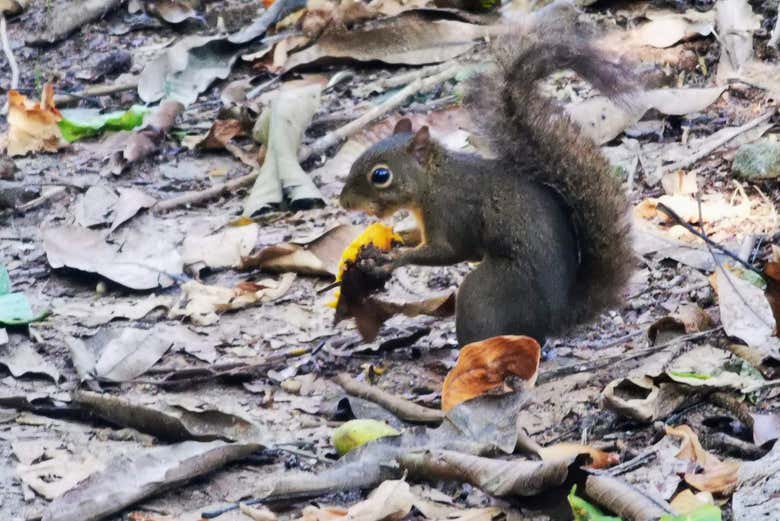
(381, 177)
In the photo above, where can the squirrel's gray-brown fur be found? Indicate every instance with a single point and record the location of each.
(547, 218)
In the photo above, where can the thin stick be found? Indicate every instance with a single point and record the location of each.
(710, 148)
(404, 409)
(397, 80)
(38, 201)
(97, 90)
(728, 253)
(603, 362)
(9, 54)
(421, 84)
(204, 195)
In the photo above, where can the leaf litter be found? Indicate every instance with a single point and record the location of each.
(182, 308)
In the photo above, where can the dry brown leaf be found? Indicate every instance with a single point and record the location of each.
(220, 133)
(686, 501)
(32, 126)
(687, 318)
(718, 476)
(483, 366)
(319, 255)
(410, 39)
(203, 304)
(599, 459)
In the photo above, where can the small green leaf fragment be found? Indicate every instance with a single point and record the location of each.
(584, 511)
(355, 433)
(703, 513)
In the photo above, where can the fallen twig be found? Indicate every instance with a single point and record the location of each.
(421, 84)
(603, 362)
(397, 80)
(97, 90)
(711, 147)
(728, 253)
(624, 499)
(43, 199)
(69, 16)
(404, 409)
(205, 195)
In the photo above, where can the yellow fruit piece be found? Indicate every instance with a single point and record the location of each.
(380, 235)
(355, 433)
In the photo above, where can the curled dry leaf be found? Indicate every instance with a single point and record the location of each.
(224, 249)
(483, 366)
(320, 255)
(718, 476)
(666, 28)
(599, 459)
(687, 318)
(32, 126)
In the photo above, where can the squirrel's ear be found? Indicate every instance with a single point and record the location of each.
(420, 144)
(404, 126)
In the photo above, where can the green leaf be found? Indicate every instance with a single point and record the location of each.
(5, 280)
(75, 128)
(15, 310)
(703, 513)
(584, 511)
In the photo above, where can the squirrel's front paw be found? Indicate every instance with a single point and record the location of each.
(378, 266)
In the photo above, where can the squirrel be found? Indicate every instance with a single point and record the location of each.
(547, 218)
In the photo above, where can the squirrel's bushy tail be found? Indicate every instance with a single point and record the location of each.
(525, 124)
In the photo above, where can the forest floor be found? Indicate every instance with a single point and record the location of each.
(187, 356)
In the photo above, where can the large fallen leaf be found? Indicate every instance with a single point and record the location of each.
(131, 477)
(758, 481)
(483, 366)
(21, 359)
(409, 38)
(319, 255)
(667, 28)
(224, 249)
(32, 126)
(202, 304)
(55, 475)
(145, 258)
(96, 313)
(281, 177)
(717, 476)
(185, 70)
(102, 204)
(131, 353)
(603, 119)
(174, 419)
(746, 313)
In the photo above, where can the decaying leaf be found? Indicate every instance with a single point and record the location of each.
(203, 304)
(667, 28)
(224, 249)
(131, 477)
(687, 318)
(746, 313)
(96, 313)
(187, 69)
(717, 476)
(409, 38)
(58, 473)
(21, 359)
(483, 367)
(144, 260)
(174, 419)
(132, 352)
(32, 126)
(642, 399)
(320, 255)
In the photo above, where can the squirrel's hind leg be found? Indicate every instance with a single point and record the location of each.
(497, 298)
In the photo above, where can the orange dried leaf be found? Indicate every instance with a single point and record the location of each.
(600, 459)
(32, 126)
(483, 366)
(717, 476)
